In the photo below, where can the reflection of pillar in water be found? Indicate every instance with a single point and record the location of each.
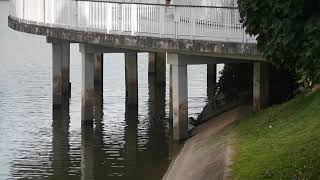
(131, 141)
(60, 140)
(87, 153)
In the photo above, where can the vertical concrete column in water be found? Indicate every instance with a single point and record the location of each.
(87, 90)
(60, 71)
(131, 74)
(180, 97)
(157, 67)
(211, 80)
(98, 73)
(152, 63)
(161, 68)
(170, 94)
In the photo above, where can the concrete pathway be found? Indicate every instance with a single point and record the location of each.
(208, 154)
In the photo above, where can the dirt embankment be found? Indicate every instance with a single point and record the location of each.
(208, 154)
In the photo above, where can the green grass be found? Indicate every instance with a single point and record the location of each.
(282, 142)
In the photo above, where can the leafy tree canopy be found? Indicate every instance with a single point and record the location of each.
(288, 34)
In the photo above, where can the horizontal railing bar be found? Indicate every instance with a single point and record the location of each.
(167, 5)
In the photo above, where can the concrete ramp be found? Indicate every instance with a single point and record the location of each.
(207, 155)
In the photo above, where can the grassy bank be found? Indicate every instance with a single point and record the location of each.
(282, 142)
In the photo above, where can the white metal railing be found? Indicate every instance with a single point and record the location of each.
(137, 19)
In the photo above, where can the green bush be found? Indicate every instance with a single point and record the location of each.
(288, 34)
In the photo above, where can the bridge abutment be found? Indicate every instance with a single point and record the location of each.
(131, 75)
(60, 71)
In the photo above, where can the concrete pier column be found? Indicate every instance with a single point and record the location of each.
(60, 71)
(260, 86)
(180, 97)
(131, 74)
(157, 67)
(211, 80)
(170, 94)
(87, 90)
(161, 68)
(152, 64)
(98, 73)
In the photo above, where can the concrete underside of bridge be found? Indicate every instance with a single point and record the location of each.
(177, 53)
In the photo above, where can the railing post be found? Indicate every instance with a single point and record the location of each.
(120, 18)
(193, 21)
(176, 30)
(44, 12)
(23, 10)
(162, 20)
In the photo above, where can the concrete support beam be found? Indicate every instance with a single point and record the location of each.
(260, 86)
(87, 90)
(98, 73)
(180, 98)
(131, 74)
(211, 80)
(60, 71)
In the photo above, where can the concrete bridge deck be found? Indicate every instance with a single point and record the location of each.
(177, 34)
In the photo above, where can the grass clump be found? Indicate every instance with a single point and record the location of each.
(282, 142)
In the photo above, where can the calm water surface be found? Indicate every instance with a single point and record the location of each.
(39, 143)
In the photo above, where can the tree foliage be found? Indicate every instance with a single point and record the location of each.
(288, 34)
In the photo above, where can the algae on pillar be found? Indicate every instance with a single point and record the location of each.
(131, 75)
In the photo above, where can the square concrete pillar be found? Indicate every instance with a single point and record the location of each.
(60, 71)
(157, 67)
(152, 63)
(87, 90)
(131, 74)
(260, 86)
(170, 94)
(161, 68)
(98, 73)
(179, 97)
(211, 80)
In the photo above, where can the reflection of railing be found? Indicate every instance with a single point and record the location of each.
(138, 19)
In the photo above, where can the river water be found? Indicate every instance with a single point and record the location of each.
(39, 143)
